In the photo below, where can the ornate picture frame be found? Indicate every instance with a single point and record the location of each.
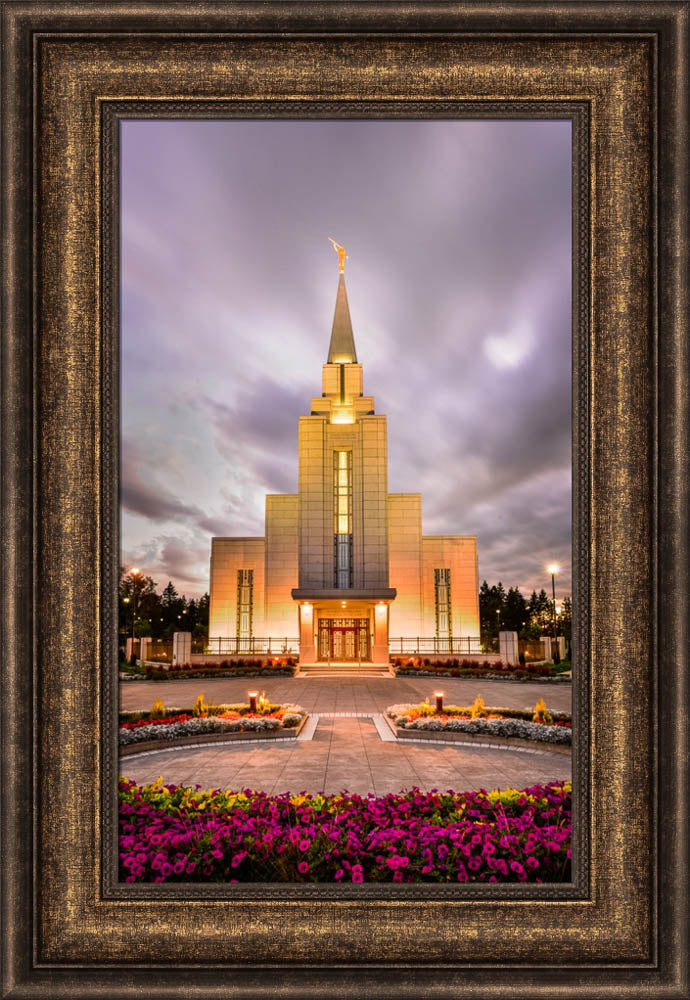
(68, 69)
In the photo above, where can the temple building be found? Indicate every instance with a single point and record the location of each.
(343, 569)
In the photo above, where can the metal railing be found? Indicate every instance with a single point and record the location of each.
(252, 646)
(455, 646)
(160, 652)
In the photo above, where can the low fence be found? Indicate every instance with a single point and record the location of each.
(454, 646)
(533, 650)
(235, 646)
(160, 652)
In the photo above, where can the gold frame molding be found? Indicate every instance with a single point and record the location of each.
(68, 71)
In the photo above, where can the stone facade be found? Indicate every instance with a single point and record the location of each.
(343, 564)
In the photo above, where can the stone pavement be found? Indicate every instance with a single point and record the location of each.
(344, 694)
(347, 752)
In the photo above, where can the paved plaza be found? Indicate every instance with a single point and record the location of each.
(349, 747)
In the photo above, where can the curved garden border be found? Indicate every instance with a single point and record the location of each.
(247, 736)
(470, 739)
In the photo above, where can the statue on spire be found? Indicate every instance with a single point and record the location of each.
(342, 255)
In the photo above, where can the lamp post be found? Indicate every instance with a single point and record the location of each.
(135, 574)
(553, 568)
(125, 600)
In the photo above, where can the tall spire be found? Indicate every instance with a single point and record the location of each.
(342, 346)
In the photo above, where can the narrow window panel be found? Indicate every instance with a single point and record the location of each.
(342, 519)
(442, 603)
(245, 587)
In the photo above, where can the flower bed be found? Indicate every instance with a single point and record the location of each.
(284, 666)
(140, 727)
(478, 720)
(421, 667)
(178, 834)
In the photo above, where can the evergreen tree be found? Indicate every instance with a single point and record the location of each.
(565, 620)
(540, 612)
(515, 613)
(158, 615)
(492, 602)
(136, 593)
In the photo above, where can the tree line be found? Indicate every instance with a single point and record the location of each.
(146, 612)
(502, 610)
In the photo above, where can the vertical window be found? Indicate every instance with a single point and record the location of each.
(442, 595)
(245, 584)
(342, 518)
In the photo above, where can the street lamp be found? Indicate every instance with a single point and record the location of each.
(125, 600)
(553, 568)
(135, 573)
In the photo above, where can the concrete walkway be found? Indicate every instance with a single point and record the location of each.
(344, 694)
(347, 751)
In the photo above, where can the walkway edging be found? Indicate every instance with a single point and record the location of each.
(383, 725)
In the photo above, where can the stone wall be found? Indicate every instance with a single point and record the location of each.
(459, 554)
(405, 560)
(280, 616)
(228, 555)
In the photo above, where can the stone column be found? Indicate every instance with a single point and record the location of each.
(307, 652)
(561, 646)
(145, 648)
(508, 647)
(128, 649)
(546, 643)
(380, 652)
(182, 648)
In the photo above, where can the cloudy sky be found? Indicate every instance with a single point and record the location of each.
(459, 275)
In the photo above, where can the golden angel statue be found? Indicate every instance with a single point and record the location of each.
(342, 255)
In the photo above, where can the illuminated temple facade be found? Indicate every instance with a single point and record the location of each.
(343, 567)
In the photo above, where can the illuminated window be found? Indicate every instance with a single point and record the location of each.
(442, 595)
(245, 586)
(342, 518)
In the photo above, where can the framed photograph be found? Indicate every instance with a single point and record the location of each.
(134, 125)
(341, 626)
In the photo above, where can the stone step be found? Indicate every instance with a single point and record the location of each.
(345, 669)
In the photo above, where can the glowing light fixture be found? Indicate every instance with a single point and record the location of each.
(553, 568)
(438, 695)
(252, 700)
(343, 415)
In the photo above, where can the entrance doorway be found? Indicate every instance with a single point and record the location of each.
(344, 639)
